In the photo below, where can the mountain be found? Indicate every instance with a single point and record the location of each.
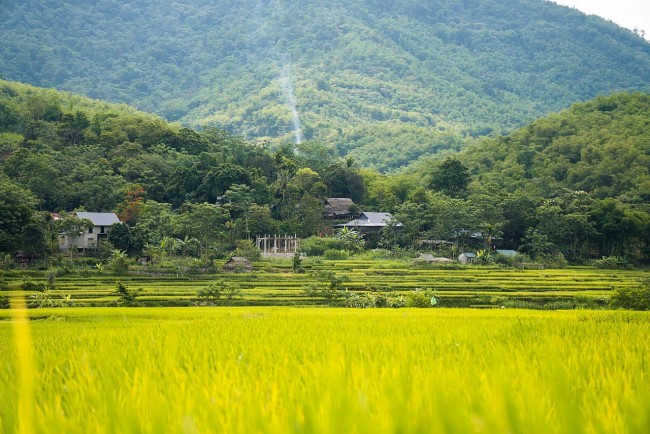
(600, 147)
(383, 82)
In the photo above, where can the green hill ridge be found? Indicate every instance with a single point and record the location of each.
(384, 82)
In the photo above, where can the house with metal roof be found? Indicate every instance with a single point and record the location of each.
(89, 240)
(369, 222)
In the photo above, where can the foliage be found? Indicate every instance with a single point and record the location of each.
(450, 177)
(352, 239)
(635, 298)
(336, 255)
(612, 263)
(211, 295)
(296, 263)
(572, 183)
(46, 298)
(421, 297)
(316, 246)
(328, 285)
(119, 262)
(127, 296)
(483, 257)
(248, 250)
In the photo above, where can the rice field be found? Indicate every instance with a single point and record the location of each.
(323, 370)
(275, 284)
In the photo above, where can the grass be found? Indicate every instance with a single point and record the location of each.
(323, 370)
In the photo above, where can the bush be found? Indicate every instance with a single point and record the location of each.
(336, 255)
(316, 246)
(119, 262)
(612, 263)
(249, 250)
(636, 298)
(212, 294)
(30, 285)
(421, 298)
(555, 260)
(127, 296)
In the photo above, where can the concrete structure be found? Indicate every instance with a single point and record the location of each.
(277, 245)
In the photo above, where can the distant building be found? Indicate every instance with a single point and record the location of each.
(506, 253)
(102, 222)
(466, 258)
(339, 208)
(237, 264)
(369, 222)
(428, 258)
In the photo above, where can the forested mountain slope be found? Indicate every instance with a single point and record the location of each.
(601, 147)
(385, 82)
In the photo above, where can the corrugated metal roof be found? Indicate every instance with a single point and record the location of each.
(99, 218)
(370, 219)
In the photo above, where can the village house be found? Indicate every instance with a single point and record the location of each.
(339, 208)
(89, 240)
(368, 222)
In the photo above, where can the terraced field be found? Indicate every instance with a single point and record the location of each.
(274, 283)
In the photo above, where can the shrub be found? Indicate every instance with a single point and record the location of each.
(328, 286)
(336, 255)
(30, 285)
(554, 260)
(612, 263)
(119, 262)
(635, 298)
(316, 246)
(421, 298)
(212, 293)
(127, 296)
(249, 250)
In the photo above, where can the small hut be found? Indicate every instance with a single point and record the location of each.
(238, 264)
(339, 208)
(428, 258)
(466, 258)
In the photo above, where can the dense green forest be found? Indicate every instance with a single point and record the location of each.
(383, 82)
(573, 185)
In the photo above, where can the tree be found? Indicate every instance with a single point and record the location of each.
(120, 237)
(450, 177)
(33, 239)
(344, 181)
(240, 199)
(537, 244)
(219, 179)
(16, 211)
(129, 210)
(203, 221)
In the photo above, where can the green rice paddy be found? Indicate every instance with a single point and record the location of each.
(323, 370)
